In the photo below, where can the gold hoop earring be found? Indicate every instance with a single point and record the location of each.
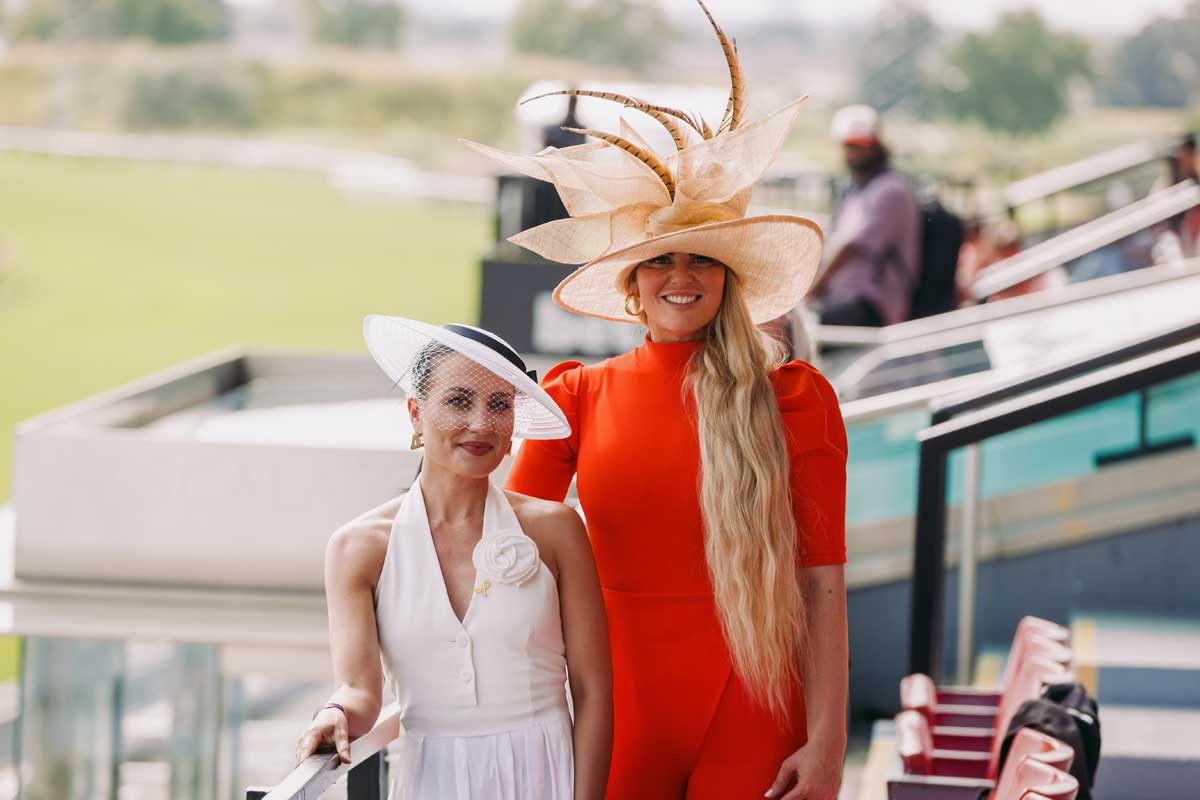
(417, 442)
(629, 298)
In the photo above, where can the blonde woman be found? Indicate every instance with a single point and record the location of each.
(711, 474)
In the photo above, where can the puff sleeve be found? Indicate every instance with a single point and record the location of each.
(816, 442)
(544, 467)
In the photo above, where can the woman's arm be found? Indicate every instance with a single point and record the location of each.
(544, 467)
(585, 633)
(814, 772)
(353, 560)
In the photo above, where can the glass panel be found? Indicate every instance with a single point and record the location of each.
(882, 468)
(158, 720)
(1174, 409)
(1060, 449)
(1067, 532)
(881, 475)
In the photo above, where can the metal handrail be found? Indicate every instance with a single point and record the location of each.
(920, 337)
(1082, 172)
(313, 776)
(946, 407)
(1027, 303)
(849, 335)
(1086, 238)
(1013, 413)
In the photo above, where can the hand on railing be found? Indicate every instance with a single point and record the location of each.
(326, 733)
(316, 772)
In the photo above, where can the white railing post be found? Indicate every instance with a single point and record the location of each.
(968, 563)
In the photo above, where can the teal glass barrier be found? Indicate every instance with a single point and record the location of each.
(882, 468)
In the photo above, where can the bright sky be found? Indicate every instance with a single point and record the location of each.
(1091, 16)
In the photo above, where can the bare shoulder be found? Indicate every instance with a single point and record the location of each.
(555, 527)
(358, 548)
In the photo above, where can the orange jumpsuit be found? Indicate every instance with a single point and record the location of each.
(684, 724)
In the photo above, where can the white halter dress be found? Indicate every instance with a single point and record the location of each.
(483, 701)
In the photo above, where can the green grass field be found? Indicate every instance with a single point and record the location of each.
(111, 270)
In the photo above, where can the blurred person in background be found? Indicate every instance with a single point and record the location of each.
(1179, 237)
(1187, 225)
(873, 254)
(994, 241)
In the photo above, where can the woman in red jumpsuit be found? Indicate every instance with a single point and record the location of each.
(711, 474)
(685, 724)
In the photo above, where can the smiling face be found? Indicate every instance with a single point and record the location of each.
(465, 414)
(680, 293)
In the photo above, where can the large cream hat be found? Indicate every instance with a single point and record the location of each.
(628, 204)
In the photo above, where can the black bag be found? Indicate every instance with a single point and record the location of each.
(941, 239)
(1068, 713)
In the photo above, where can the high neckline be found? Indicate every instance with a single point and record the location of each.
(668, 354)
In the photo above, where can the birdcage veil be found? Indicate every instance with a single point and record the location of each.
(463, 376)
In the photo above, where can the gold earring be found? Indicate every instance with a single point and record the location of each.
(631, 311)
(417, 442)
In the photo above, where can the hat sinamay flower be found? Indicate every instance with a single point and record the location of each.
(628, 203)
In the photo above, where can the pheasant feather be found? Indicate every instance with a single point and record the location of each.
(664, 116)
(735, 107)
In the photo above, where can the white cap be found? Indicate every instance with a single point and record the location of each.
(856, 125)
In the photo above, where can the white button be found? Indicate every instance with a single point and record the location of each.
(466, 676)
(462, 640)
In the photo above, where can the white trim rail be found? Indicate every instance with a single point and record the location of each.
(1086, 238)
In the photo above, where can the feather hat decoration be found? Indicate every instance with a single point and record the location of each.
(628, 203)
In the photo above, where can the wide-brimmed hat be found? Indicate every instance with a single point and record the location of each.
(628, 204)
(398, 344)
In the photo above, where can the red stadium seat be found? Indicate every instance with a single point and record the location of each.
(967, 752)
(1031, 775)
(1033, 744)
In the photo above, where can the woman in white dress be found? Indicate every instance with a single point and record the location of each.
(472, 600)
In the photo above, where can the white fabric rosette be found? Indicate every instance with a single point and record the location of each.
(507, 557)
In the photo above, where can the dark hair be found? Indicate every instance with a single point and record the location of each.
(426, 361)
(1188, 142)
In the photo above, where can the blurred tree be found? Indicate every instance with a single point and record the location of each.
(212, 95)
(167, 22)
(357, 23)
(1159, 65)
(894, 58)
(1015, 77)
(171, 21)
(59, 19)
(624, 32)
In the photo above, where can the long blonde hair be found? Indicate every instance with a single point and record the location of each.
(746, 505)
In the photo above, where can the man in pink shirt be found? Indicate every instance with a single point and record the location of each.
(873, 253)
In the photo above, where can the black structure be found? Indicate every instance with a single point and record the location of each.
(1009, 414)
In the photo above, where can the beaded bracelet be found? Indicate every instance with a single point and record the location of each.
(338, 706)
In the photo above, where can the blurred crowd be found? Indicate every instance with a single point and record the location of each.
(890, 257)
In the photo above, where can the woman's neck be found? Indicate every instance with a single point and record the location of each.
(450, 497)
(660, 336)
